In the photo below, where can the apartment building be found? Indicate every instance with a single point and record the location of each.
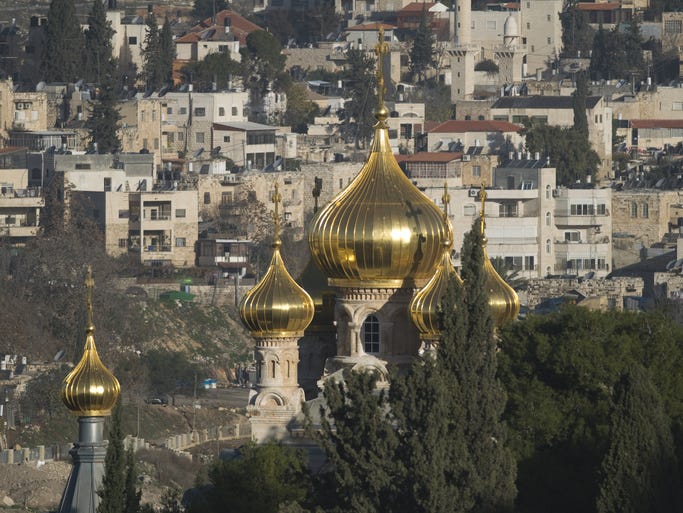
(21, 204)
(476, 136)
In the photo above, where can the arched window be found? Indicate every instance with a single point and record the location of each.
(644, 210)
(547, 218)
(547, 246)
(370, 334)
(547, 192)
(634, 209)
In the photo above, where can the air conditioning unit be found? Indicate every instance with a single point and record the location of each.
(474, 193)
(556, 193)
(466, 158)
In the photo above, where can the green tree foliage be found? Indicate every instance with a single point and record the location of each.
(300, 110)
(618, 54)
(639, 471)
(202, 9)
(131, 494)
(167, 53)
(304, 26)
(422, 50)
(361, 446)
(170, 372)
(113, 489)
(569, 151)
(559, 370)
(100, 66)
(577, 34)
(579, 105)
(152, 73)
(103, 122)
(260, 480)
(63, 60)
(263, 61)
(217, 67)
(360, 84)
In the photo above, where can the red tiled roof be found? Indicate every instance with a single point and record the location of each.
(462, 126)
(190, 37)
(590, 6)
(370, 26)
(512, 5)
(434, 156)
(237, 22)
(417, 7)
(656, 123)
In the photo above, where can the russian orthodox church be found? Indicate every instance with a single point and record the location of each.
(380, 261)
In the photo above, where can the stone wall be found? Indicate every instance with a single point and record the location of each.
(614, 289)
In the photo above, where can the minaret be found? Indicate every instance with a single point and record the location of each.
(503, 300)
(463, 53)
(276, 312)
(425, 305)
(90, 391)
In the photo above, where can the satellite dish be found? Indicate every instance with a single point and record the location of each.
(40, 86)
(163, 91)
(216, 150)
(60, 354)
(198, 152)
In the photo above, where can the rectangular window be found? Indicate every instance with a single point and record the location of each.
(490, 25)
(181, 136)
(221, 111)
(601, 209)
(169, 110)
(199, 137)
(132, 40)
(476, 171)
(673, 26)
(582, 210)
(179, 212)
(183, 110)
(82, 165)
(170, 138)
(226, 138)
(156, 143)
(572, 237)
(529, 264)
(180, 242)
(234, 111)
(123, 243)
(199, 112)
(548, 40)
(645, 210)
(508, 209)
(226, 198)
(124, 214)
(145, 143)
(634, 209)
(207, 198)
(677, 106)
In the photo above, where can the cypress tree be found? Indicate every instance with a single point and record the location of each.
(467, 356)
(421, 52)
(63, 57)
(579, 105)
(640, 470)
(151, 69)
(167, 53)
(99, 62)
(112, 491)
(131, 495)
(103, 121)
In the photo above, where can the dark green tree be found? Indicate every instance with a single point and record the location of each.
(132, 495)
(217, 67)
(577, 34)
(639, 471)
(263, 61)
(112, 492)
(202, 9)
(600, 65)
(63, 60)
(167, 53)
(361, 83)
(260, 479)
(361, 445)
(422, 51)
(579, 105)
(300, 110)
(152, 74)
(103, 121)
(99, 64)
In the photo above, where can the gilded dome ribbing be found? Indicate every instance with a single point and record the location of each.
(503, 299)
(276, 306)
(424, 307)
(90, 389)
(381, 231)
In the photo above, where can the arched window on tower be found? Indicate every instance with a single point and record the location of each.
(370, 334)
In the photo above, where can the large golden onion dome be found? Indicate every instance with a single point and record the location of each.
(503, 299)
(276, 306)
(381, 231)
(424, 307)
(90, 389)
(314, 281)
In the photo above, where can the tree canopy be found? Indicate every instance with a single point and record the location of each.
(422, 50)
(99, 64)
(577, 34)
(63, 60)
(360, 83)
(616, 54)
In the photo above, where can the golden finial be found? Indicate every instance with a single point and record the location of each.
(445, 200)
(89, 285)
(482, 212)
(381, 49)
(276, 198)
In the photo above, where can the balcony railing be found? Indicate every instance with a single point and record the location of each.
(164, 248)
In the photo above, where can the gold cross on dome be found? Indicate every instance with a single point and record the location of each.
(276, 198)
(381, 49)
(445, 199)
(89, 285)
(482, 197)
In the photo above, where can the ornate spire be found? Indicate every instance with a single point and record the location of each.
(276, 198)
(381, 50)
(90, 389)
(503, 299)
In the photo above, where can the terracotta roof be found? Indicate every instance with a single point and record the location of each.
(656, 123)
(461, 126)
(435, 156)
(590, 6)
(236, 22)
(370, 26)
(240, 28)
(417, 7)
(512, 5)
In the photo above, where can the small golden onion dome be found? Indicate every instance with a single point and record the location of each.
(503, 300)
(381, 231)
(90, 389)
(276, 306)
(314, 281)
(424, 307)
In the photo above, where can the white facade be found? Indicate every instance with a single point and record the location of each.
(542, 30)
